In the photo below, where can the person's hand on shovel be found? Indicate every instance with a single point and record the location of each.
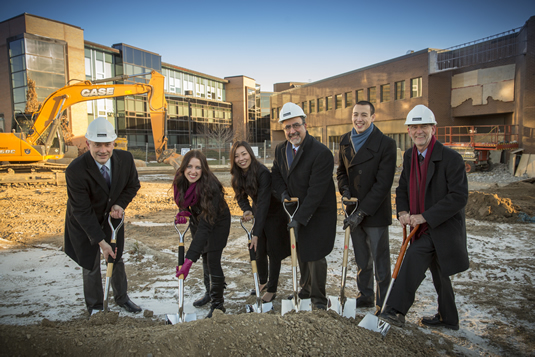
(295, 225)
(106, 250)
(184, 270)
(354, 220)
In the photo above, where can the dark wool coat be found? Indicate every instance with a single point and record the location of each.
(446, 194)
(310, 178)
(270, 218)
(369, 175)
(90, 201)
(208, 237)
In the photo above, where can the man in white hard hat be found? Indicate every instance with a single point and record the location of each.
(432, 193)
(367, 163)
(101, 182)
(303, 168)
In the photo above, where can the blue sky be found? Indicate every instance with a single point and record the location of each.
(281, 41)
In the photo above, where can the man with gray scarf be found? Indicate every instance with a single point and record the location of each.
(367, 163)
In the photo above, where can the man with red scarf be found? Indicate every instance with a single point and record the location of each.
(432, 192)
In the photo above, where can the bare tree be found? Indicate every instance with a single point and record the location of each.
(219, 135)
(32, 104)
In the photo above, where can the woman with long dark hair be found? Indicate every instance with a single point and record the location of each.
(199, 195)
(269, 237)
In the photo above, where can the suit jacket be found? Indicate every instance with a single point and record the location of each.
(446, 194)
(368, 175)
(270, 218)
(90, 201)
(310, 178)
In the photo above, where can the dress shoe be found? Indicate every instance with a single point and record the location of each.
(129, 306)
(365, 302)
(270, 300)
(436, 321)
(393, 317)
(301, 295)
(320, 306)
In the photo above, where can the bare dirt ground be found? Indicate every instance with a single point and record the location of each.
(495, 296)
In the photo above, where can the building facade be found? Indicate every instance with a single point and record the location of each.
(54, 53)
(485, 82)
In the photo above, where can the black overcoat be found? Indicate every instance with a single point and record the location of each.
(369, 175)
(270, 218)
(446, 194)
(310, 178)
(90, 201)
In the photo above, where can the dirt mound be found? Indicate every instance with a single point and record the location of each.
(507, 204)
(303, 334)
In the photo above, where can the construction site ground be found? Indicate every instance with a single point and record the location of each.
(42, 309)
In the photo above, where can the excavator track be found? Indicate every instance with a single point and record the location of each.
(33, 173)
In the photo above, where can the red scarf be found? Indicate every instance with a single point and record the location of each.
(417, 192)
(190, 199)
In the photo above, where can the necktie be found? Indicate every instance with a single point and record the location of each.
(421, 158)
(295, 151)
(104, 171)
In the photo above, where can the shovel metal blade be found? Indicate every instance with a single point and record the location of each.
(264, 307)
(373, 323)
(349, 309)
(302, 305)
(173, 319)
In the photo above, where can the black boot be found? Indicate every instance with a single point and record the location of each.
(216, 293)
(206, 297)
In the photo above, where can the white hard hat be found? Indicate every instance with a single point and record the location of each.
(100, 130)
(290, 110)
(420, 114)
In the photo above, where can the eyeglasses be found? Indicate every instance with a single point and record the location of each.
(295, 126)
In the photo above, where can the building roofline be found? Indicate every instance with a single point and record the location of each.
(40, 17)
(240, 75)
(165, 64)
(426, 50)
(136, 48)
(93, 44)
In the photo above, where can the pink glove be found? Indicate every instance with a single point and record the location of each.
(180, 220)
(185, 269)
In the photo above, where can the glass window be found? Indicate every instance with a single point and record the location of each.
(320, 104)
(372, 94)
(19, 95)
(349, 99)
(56, 50)
(360, 95)
(43, 79)
(416, 87)
(88, 67)
(108, 58)
(18, 64)
(329, 102)
(400, 90)
(138, 57)
(99, 56)
(312, 104)
(338, 101)
(304, 105)
(128, 54)
(19, 79)
(385, 92)
(16, 48)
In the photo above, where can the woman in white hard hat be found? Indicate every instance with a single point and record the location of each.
(199, 195)
(270, 237)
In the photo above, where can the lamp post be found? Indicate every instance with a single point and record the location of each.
(188, 93)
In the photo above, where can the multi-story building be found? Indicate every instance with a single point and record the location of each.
(54, 54)
(488, 81)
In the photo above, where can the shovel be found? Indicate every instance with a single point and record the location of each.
(295, 303)
(372, 322)
(181, 316)
(111, 261)
(259, 306)
(341, 305)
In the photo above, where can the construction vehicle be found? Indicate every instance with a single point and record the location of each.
(475, 142)
(30, 153)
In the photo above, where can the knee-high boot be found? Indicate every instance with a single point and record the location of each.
(216, 293)
(205, 299)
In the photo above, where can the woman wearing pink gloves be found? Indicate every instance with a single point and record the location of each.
(199, 195)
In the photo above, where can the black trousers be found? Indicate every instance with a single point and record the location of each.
(420, 256)
(267, 271)
(313, 280)
(371, 247)
(93, 291)
(212, 261)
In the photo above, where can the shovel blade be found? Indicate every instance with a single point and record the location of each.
(302, 305)
(350, 308)
(334, 304)
(190, 317)
(265, 307)
(373, 323)
(172, 319)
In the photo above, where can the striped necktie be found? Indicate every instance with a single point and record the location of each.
(104, 171)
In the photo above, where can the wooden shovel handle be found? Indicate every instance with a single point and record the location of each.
(401, 255)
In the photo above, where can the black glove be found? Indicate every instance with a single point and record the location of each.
(354, 220)
(346, 196)
(347, 193)
(285, 196)
(295, 225)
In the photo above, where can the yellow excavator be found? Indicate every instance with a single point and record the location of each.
(30, 153)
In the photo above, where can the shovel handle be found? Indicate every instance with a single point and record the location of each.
(401, 255)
